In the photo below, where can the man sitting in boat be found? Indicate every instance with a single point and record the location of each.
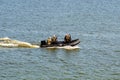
(54, 39)
(67, 38)
(49, 41)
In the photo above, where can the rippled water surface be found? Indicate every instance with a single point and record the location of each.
(96, 23)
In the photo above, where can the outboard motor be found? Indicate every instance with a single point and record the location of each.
(43, 42)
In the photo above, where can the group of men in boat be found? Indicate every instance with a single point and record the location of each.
(53, 39)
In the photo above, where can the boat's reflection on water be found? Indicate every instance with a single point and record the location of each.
(72, 50)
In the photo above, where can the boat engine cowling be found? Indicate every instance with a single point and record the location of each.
(43, 42)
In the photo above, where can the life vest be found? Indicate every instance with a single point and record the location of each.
(49, 41)
(67, 38)
(54, 39)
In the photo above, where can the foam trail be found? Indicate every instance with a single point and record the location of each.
(71, 47)
(67, 47)
(10, 43)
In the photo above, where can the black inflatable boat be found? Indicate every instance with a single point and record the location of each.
(60, 43)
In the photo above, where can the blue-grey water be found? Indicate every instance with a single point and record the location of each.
(95, 22)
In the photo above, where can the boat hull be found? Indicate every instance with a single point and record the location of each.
(60, 43)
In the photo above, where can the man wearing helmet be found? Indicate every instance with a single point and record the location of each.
(67, 38)
(54, 39)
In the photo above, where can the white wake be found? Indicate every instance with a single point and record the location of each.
(67, 47)
(10, 43)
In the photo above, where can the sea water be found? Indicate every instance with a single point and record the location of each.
(95, 22)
